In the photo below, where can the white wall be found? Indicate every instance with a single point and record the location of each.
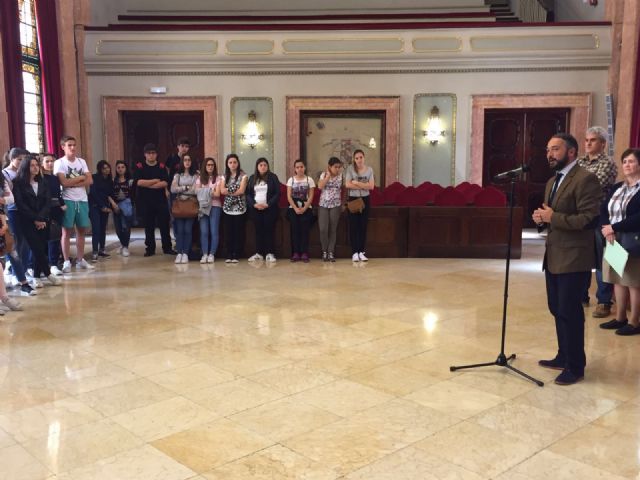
(578, 11)
(464, 85)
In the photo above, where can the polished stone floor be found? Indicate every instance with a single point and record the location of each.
(144, 370)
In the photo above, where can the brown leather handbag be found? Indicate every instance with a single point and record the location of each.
(356, 205)
(185, 208)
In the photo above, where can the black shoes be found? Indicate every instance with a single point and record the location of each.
(567, 377)
(554, 364)
(148, 253)
(628, 330)
(170, 252)
(613, 324)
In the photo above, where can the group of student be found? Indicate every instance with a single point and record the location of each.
(234, 196)
(46, 201)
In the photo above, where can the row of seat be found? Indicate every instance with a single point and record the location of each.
(426, 194)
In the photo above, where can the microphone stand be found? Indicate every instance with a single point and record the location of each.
(503, 360)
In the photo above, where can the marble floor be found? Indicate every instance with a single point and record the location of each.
(144, 370)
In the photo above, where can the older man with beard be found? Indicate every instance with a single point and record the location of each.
(572, 201)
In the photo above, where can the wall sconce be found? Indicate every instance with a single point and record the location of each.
(252, 135)
(434, 132)
(372, 143)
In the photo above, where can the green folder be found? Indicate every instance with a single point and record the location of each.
(616, 256)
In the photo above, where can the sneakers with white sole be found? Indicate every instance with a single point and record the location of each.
(362, 257)
(210, 258)
(270, 258)
(66, 266)
(355, 257)
(185, 258)
(124, 252)
(27, 291)
(204, 258)
(83, 264)
(56, 271)
(256, 258)
(55, 281)
(12, 304)
(178, 259)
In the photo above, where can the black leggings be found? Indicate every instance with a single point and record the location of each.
(234, 235)
(38, 243)
(265, 225)
(358, 227)
(300, 228)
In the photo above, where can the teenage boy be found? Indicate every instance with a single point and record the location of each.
(173, 160)
(151, 181)
(75, 178)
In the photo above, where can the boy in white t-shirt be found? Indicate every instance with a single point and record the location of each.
(75, 177)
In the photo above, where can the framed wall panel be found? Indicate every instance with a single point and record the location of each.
(242, 110)
(434, 162)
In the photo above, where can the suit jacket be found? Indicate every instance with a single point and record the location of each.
(570, 240)
(32, 207)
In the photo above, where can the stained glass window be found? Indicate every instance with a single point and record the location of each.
(33, 114)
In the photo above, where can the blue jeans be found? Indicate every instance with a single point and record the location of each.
(122, 223)
(21, 253)
(54, 250)
(182, 229)
(210, 226)
(604, 291)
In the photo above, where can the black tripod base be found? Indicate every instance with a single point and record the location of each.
(501, 361)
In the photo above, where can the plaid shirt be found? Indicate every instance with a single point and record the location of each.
(620, 200)
(603, 168)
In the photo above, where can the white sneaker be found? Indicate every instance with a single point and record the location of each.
(84, 265)
(29, 272)
(56, 271)
(12, 304)
(355, 257)
(235, 260)
(55, 281)
(362, 257)
(185, 258)
(36, 283)
(66, 266)
(178, 258)
(271, 257)
(125, 252)
(256, 258)
(210, 258)
(204, 258)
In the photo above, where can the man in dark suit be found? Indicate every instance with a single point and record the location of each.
(572, 200)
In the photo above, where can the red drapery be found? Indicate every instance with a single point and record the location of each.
(50, 71)
(635, 116)
(12, 65)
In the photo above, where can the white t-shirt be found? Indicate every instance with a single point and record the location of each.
(300, 188)
(261, 193)
(72, 170)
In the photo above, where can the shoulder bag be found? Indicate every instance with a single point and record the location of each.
(630, 241)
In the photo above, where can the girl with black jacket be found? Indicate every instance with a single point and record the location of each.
(100, 205)
(263, 194)
(31, 195)
(57, 211)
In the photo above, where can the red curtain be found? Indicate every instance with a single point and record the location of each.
(50, 71)
(635, 115)
(12, 64)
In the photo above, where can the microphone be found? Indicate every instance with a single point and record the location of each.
(513, 173)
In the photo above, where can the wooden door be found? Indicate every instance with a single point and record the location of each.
(514, 137)
(164, 129)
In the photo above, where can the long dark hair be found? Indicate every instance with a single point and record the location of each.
(227, 170)
(204, 175)
(257, 173)
(23, 176)
(127, 173)
(99, 167)
(193, 169)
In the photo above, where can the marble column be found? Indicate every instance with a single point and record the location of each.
(4, 115)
